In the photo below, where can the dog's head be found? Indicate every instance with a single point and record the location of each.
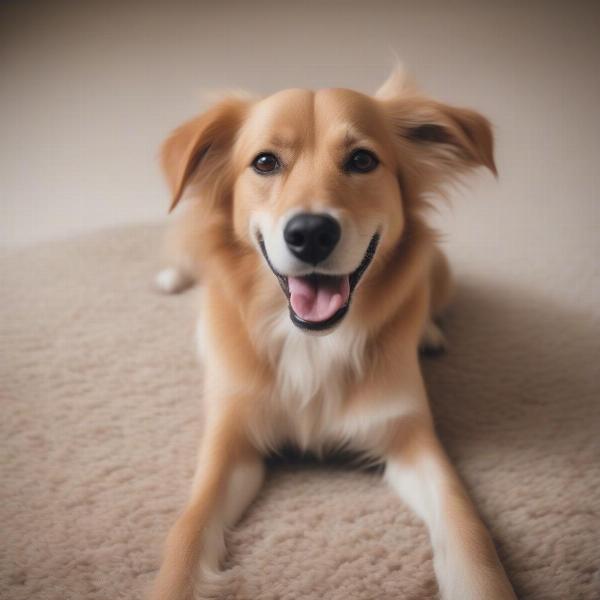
(319, 183)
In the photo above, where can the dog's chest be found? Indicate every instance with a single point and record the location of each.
(314, 376)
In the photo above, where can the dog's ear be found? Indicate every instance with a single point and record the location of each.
(441, 141)
(201, 146)
(456, 137)
(444, 138)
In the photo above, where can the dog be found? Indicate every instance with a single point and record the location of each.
(305, 220)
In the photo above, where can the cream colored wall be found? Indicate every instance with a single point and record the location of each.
(89, 89)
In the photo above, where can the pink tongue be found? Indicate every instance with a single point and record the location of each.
(318, 300)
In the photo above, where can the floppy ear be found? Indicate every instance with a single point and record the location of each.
(440, 141)
(201, 145)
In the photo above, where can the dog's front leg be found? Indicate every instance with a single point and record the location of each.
(229, 475)
(465, 560)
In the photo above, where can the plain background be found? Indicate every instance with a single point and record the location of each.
(89, 90)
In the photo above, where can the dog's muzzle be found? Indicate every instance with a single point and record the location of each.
(318, 302)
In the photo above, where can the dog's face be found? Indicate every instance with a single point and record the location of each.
(317, 183)
(315, 191)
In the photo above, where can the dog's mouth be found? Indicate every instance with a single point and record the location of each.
(318, 301)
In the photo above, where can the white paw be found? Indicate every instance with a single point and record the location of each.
(212, 584)
(433, 339)
(172, 281)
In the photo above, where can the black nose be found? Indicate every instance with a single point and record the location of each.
(312, 237)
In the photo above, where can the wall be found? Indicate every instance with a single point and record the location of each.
(89, 90)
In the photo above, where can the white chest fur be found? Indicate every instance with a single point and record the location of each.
(310, 365)
(314, 377)
(315, 380)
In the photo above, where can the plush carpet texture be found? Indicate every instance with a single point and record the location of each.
(101, 416)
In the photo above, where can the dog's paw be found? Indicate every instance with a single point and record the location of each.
(172, 281)
(214, 584)
(205, 583)
(433, 340)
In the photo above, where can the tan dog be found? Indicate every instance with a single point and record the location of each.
(321, 279)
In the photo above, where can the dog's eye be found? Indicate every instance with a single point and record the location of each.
(361, 161)
(265, 163)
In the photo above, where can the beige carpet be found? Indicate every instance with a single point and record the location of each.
(101, 413)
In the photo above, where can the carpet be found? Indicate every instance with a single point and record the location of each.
(101, 416)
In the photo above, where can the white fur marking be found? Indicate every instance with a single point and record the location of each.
(172, 280)
(242, 487)
(311, 373)
(425, 487)
(345, 258)
(308, 364)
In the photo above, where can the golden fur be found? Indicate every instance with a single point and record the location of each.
(268, 384)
